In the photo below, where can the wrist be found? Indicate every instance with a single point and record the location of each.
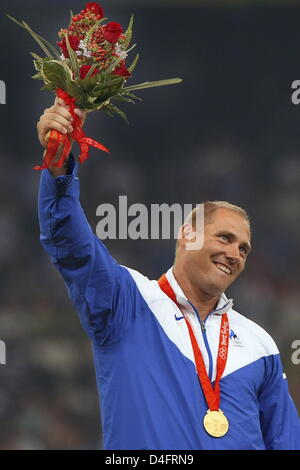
(54, 171)
(58, 171)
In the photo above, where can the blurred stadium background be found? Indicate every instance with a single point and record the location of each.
(229, 131)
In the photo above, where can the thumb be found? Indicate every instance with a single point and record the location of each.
(60, 101)
(81, 114)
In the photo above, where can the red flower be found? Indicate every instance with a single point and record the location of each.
(112, 32)
(74, 43)
(121, 71)
(84, 69)
(94, 8)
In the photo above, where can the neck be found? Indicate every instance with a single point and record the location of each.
(203, 302)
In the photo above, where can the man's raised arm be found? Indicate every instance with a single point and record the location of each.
(98, 286)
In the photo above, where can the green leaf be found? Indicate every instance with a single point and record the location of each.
(43, 43)
(116, 110)
(141, 86)
(32, 33)
(73, 58)
(107, 111)
(123, 98)
(111, 110)
(73, 89)
(35, 56)
(53, 72)
(37, 76)
(88, 85)
(115, 62)
(91, 99)
(71, 16)
(49, 87)
(128, 33)
(81, 101)
(132, 95)
(132, 66)
(37, 65)
(47, 44)
(108, 88)
(89, 33)
(89, 74)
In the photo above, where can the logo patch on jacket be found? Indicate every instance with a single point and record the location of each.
(235, 340)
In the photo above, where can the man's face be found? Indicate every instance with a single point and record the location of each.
(223, 255)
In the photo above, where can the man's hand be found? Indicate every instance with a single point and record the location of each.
(57, 117)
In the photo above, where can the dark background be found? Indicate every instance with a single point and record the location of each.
(229, 132)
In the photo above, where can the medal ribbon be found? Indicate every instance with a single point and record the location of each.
(212, 395)
(56, 138)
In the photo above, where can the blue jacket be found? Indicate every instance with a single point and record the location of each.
(148, 387)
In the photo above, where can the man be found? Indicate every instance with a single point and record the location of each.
(176, 366)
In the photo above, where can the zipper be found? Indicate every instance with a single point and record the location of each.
(204, 335)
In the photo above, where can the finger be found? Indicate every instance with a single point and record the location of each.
(63, 119)
(45, 122)
(59, 110)
(45, 125)
(57, 117)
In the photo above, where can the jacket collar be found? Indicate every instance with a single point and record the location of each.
(223, 306)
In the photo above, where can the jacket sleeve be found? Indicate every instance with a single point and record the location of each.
(279, 419)
(101, 290)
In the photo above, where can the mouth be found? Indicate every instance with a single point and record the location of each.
(222, 267)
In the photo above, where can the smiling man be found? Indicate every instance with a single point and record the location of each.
(177, 368)
(206, 273)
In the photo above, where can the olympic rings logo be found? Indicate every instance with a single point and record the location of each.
(223, 353)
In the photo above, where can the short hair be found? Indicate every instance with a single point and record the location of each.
(210, 207)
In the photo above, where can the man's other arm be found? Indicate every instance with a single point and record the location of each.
(279, 419)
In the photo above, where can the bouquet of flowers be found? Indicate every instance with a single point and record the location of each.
(88, 71)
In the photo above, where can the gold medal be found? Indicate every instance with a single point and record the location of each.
(215, 423)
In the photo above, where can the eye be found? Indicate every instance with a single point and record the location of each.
(243, 249)
(225, 237)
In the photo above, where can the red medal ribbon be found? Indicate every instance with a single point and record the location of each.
(212, 395)
(56, 138)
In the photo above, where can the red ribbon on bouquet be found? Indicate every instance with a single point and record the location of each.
(56, 138)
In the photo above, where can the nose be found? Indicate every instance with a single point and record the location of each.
(233, 254)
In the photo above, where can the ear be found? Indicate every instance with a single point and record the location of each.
(189, 239)
(185, 234)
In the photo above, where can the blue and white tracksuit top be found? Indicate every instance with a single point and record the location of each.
(150, 397)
